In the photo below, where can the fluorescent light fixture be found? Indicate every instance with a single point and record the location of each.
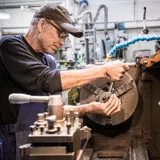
(4, 16)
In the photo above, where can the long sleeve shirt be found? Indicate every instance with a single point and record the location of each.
(23, 70)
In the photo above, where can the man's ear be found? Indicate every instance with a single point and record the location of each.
(41, 24)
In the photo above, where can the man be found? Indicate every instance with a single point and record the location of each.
(24, 68)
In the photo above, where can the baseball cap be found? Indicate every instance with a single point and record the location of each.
(60, 16)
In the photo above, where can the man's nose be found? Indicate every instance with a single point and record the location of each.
(61, 42)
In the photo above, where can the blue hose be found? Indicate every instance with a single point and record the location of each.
(84, 2)
(132, 41)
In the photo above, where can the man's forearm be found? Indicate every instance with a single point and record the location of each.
(81, 109)
(76, 78)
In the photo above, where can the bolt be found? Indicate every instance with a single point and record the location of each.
(68, 117)
(76, 121)
(51, 120)
(32, 129)
(97, 98)
(58, 129)
(41, 117)
(42, 129)
(72, 117)
(68, 127)
(46, 114)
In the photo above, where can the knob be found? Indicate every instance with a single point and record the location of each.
(51, 120)
(41, 117)
(42, 129)
(68, 127)
(32, 129)
(58, 129)
(46, 114)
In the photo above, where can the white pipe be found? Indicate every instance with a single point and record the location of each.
(149, 24)
(127, 25)
(130, 25)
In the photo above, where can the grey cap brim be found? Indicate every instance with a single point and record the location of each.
(74, 30)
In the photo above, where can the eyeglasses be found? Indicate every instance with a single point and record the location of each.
(62, 34)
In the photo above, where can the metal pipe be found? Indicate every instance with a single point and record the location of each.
(85, 13)
(105, 17)
(134, 10)
(86, 41)
(94, 43)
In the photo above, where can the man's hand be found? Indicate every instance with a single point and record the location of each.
(115, 71)
(112, 106)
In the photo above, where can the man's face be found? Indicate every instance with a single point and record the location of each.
(51, 37)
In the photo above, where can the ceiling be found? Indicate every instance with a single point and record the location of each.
(5, 4)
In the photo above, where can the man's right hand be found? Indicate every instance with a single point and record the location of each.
(115, 71)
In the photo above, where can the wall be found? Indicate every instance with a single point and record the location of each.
(128, 11)
(131, 13)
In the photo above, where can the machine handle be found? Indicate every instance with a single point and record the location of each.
(144, 13)
(148, 62)
(17, 98)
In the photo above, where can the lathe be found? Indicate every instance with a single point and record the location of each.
(53, 136)
(131, 134)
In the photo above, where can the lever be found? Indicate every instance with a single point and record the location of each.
(145, 30)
